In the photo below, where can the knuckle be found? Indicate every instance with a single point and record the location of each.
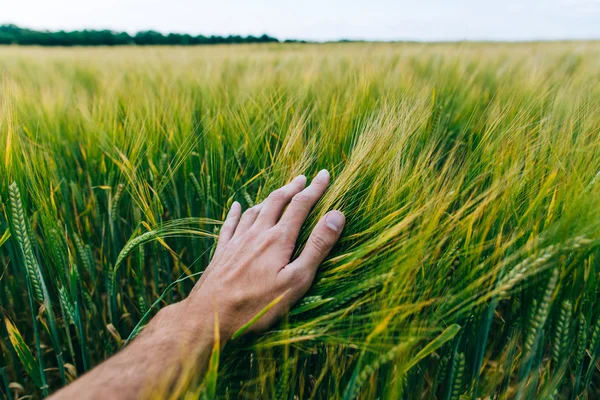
(274, 235)
(251, 211)
(300, 278)
(301, 198)
(278, 232)
(319, 243)
(288, 232)
(279, 194)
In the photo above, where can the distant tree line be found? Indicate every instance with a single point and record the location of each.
(12, 34)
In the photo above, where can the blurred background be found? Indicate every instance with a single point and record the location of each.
(429, 20)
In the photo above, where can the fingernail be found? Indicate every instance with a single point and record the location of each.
(300, 177)
(322, 174)
(335, 220)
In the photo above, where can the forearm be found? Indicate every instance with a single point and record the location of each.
(153, 362)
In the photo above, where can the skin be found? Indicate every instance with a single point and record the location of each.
(251, 267)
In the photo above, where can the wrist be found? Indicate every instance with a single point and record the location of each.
(187, 324)
(202, 316)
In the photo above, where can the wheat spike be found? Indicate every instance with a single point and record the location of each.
(66, 305)
(561, 332)
(22, 235)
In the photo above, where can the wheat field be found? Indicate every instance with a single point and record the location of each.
(468, 173)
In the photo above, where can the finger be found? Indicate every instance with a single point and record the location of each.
(278, 200)
(227, 232)
(229, 226)
(301, 272)
(301, 204)
(248, 219)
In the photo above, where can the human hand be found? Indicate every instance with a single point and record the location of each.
(251, 266)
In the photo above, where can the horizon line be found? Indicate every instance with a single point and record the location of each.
(283, 40)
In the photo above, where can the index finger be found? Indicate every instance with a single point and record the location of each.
(301, 204)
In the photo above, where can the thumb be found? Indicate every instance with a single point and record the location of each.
(320, 242)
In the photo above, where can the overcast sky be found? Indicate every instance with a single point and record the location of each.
(321, 19)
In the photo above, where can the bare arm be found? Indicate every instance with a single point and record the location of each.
(251, 267)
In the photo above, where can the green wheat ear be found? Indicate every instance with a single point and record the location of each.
(580, 347)
(22, 236)
(581, 340)
(89, 302)
(114, 205)
(67, 305)
(560, 340)
(595, 340)
(196, 185)
(593, 351)
(84, 255)
(458, 368)
(541, 313)
(441, 373)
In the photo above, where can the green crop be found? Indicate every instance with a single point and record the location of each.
(468, 173)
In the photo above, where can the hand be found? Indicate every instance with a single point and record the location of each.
(251, 266)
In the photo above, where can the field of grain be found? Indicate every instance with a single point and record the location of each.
(468, 173)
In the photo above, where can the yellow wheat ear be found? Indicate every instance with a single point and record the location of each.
(23, 353)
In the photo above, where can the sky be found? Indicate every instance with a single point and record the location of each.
(321, 20)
